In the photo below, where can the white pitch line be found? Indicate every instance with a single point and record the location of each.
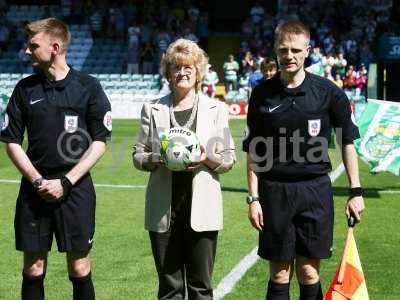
(227, 283)
(114, 186)
(389, 192)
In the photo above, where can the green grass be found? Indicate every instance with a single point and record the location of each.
(123, 266)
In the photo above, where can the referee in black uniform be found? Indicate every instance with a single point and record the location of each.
(68, 120)
(290, 198)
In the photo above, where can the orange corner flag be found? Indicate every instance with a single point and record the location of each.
(349, 282)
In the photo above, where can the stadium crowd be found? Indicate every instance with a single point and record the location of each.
(146, 27)
(342, 32)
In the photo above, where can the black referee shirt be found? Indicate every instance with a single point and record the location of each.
(289, 129)
(61, 118)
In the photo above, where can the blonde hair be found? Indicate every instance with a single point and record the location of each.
(52, 27)
(290, 28)
(187, 52)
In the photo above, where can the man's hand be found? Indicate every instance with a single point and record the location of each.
(51, 190)
(256, 215)
(355, 206)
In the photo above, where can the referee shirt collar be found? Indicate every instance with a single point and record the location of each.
(297, 91)
(59, 84)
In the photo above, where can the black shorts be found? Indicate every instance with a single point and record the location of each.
(298, 219)
(72, 221)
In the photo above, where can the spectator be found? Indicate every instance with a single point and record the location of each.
(350, 80)
(362, 80)
(146, 31)
(255, 76)
(340, 64)
(328, 73)
(231, 69)
(193, 14)
(133, 57)
(258, 58)
(366, 54)
(189, 35)
(202, 31)
(161, 42)
(338, 81)
(247, 28)
(210, 81)
(116, 23)
(96, 22)
(247, 63)
(148, 58)
(328, 60)
(315, 56)
(257, 13)
(134, 33)
(269, 68)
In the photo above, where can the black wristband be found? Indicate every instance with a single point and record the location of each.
(356, 192)
(66, 184)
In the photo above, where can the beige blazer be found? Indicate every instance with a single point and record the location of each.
(212, 129)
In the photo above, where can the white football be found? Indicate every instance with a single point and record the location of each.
(179, 147)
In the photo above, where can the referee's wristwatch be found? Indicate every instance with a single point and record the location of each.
(37, 183)
(251, 199)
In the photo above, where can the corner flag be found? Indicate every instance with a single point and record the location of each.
(349, 281)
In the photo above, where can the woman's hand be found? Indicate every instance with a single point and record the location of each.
(203, 158)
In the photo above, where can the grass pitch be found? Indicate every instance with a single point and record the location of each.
(123, 266)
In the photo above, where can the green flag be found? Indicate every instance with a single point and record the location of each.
(379, 144)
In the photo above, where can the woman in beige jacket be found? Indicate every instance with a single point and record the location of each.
(184, 209)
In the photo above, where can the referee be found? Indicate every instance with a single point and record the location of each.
(290, 199)
(68, 121)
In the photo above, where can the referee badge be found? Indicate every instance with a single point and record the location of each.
(71, 124)
(314, 127)
(4, 124)
(107, 121)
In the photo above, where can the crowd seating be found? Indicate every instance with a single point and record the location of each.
(134, 87)
(106, 56)
(21, 13)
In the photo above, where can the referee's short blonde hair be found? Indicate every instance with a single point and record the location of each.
(185, 52)
(290, 28)
(52, 27)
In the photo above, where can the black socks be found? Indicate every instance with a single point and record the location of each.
(278, 291)
(311, 292)
(32, 287)
(83, 287)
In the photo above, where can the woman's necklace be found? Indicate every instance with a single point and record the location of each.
(190, 121)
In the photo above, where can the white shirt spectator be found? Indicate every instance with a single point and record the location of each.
(133, 34)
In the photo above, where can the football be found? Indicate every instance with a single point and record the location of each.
(179, 147)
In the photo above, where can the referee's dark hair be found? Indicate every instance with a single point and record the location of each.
(53, 27)
(287, 29)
